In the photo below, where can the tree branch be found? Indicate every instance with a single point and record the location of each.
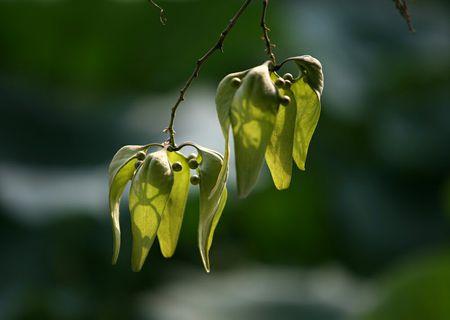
(162, 13)
(269, 45)
(402, 7)
(218, 46)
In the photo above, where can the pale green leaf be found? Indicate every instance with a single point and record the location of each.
(149, 194)
(169, 229)
(307, 91)
(280, 147)
(224, 98)
(253, 114)
(214, 223)
(308, 113)
(211, 204)
(312, 74)
(121, 171)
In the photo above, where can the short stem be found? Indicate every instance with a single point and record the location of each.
(217, 46)
(265, 28)
(162, 14)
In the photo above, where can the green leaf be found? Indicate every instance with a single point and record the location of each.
(307, 91)
(280, 147)
(224, 98)
(121, 171)
(312, 74)
(308, 113)
(211, 203)
(253, 115)
(172, 219)
(149, 194)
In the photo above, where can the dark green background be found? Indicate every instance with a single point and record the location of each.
(364, 233)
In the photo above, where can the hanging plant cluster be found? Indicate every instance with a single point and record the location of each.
(271, 117)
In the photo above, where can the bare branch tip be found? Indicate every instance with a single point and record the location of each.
(162, 13)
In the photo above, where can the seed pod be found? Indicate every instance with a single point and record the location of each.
(287, 84)
(289, 77)
(141, 155)
(177, 166)
(195, 180)
(285, 100)
(193, 164)
(236, 82)
(280, 82)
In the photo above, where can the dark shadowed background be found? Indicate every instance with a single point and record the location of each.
(364, 233)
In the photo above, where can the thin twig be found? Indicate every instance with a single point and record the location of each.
(402, 7)
(199, 63)
(162, 13)
(265, 28)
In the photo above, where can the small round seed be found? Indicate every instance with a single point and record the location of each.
(141, 155)
(288, 77)
(285, 100)
(287, 84)
(193, 164)
(195, 180)
(177, 166)
(279, 82)
(236, 82)
(192, 156)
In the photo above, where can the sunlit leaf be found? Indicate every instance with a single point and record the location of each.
(307, 92)
(280, 147)
(308, 113)
(224, 98)
(149, 194)
(312, 74)
(253, 114)
(211, 204)
(169, 229)
(225, 93)
(121, 171)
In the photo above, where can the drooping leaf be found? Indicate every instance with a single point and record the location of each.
(169, 228)
(211, 204)
(121, 171)
(149, 194)
(224, 97)
(307, 92)
(253, 115)
(214, 223)
(280, 147)
(312, 74)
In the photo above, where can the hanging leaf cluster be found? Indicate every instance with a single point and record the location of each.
(271, 118)
(160, 182)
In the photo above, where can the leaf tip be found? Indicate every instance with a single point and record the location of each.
(167, 254)
(114, 260)
(282, 187)
(207, 266)
(136, 268)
